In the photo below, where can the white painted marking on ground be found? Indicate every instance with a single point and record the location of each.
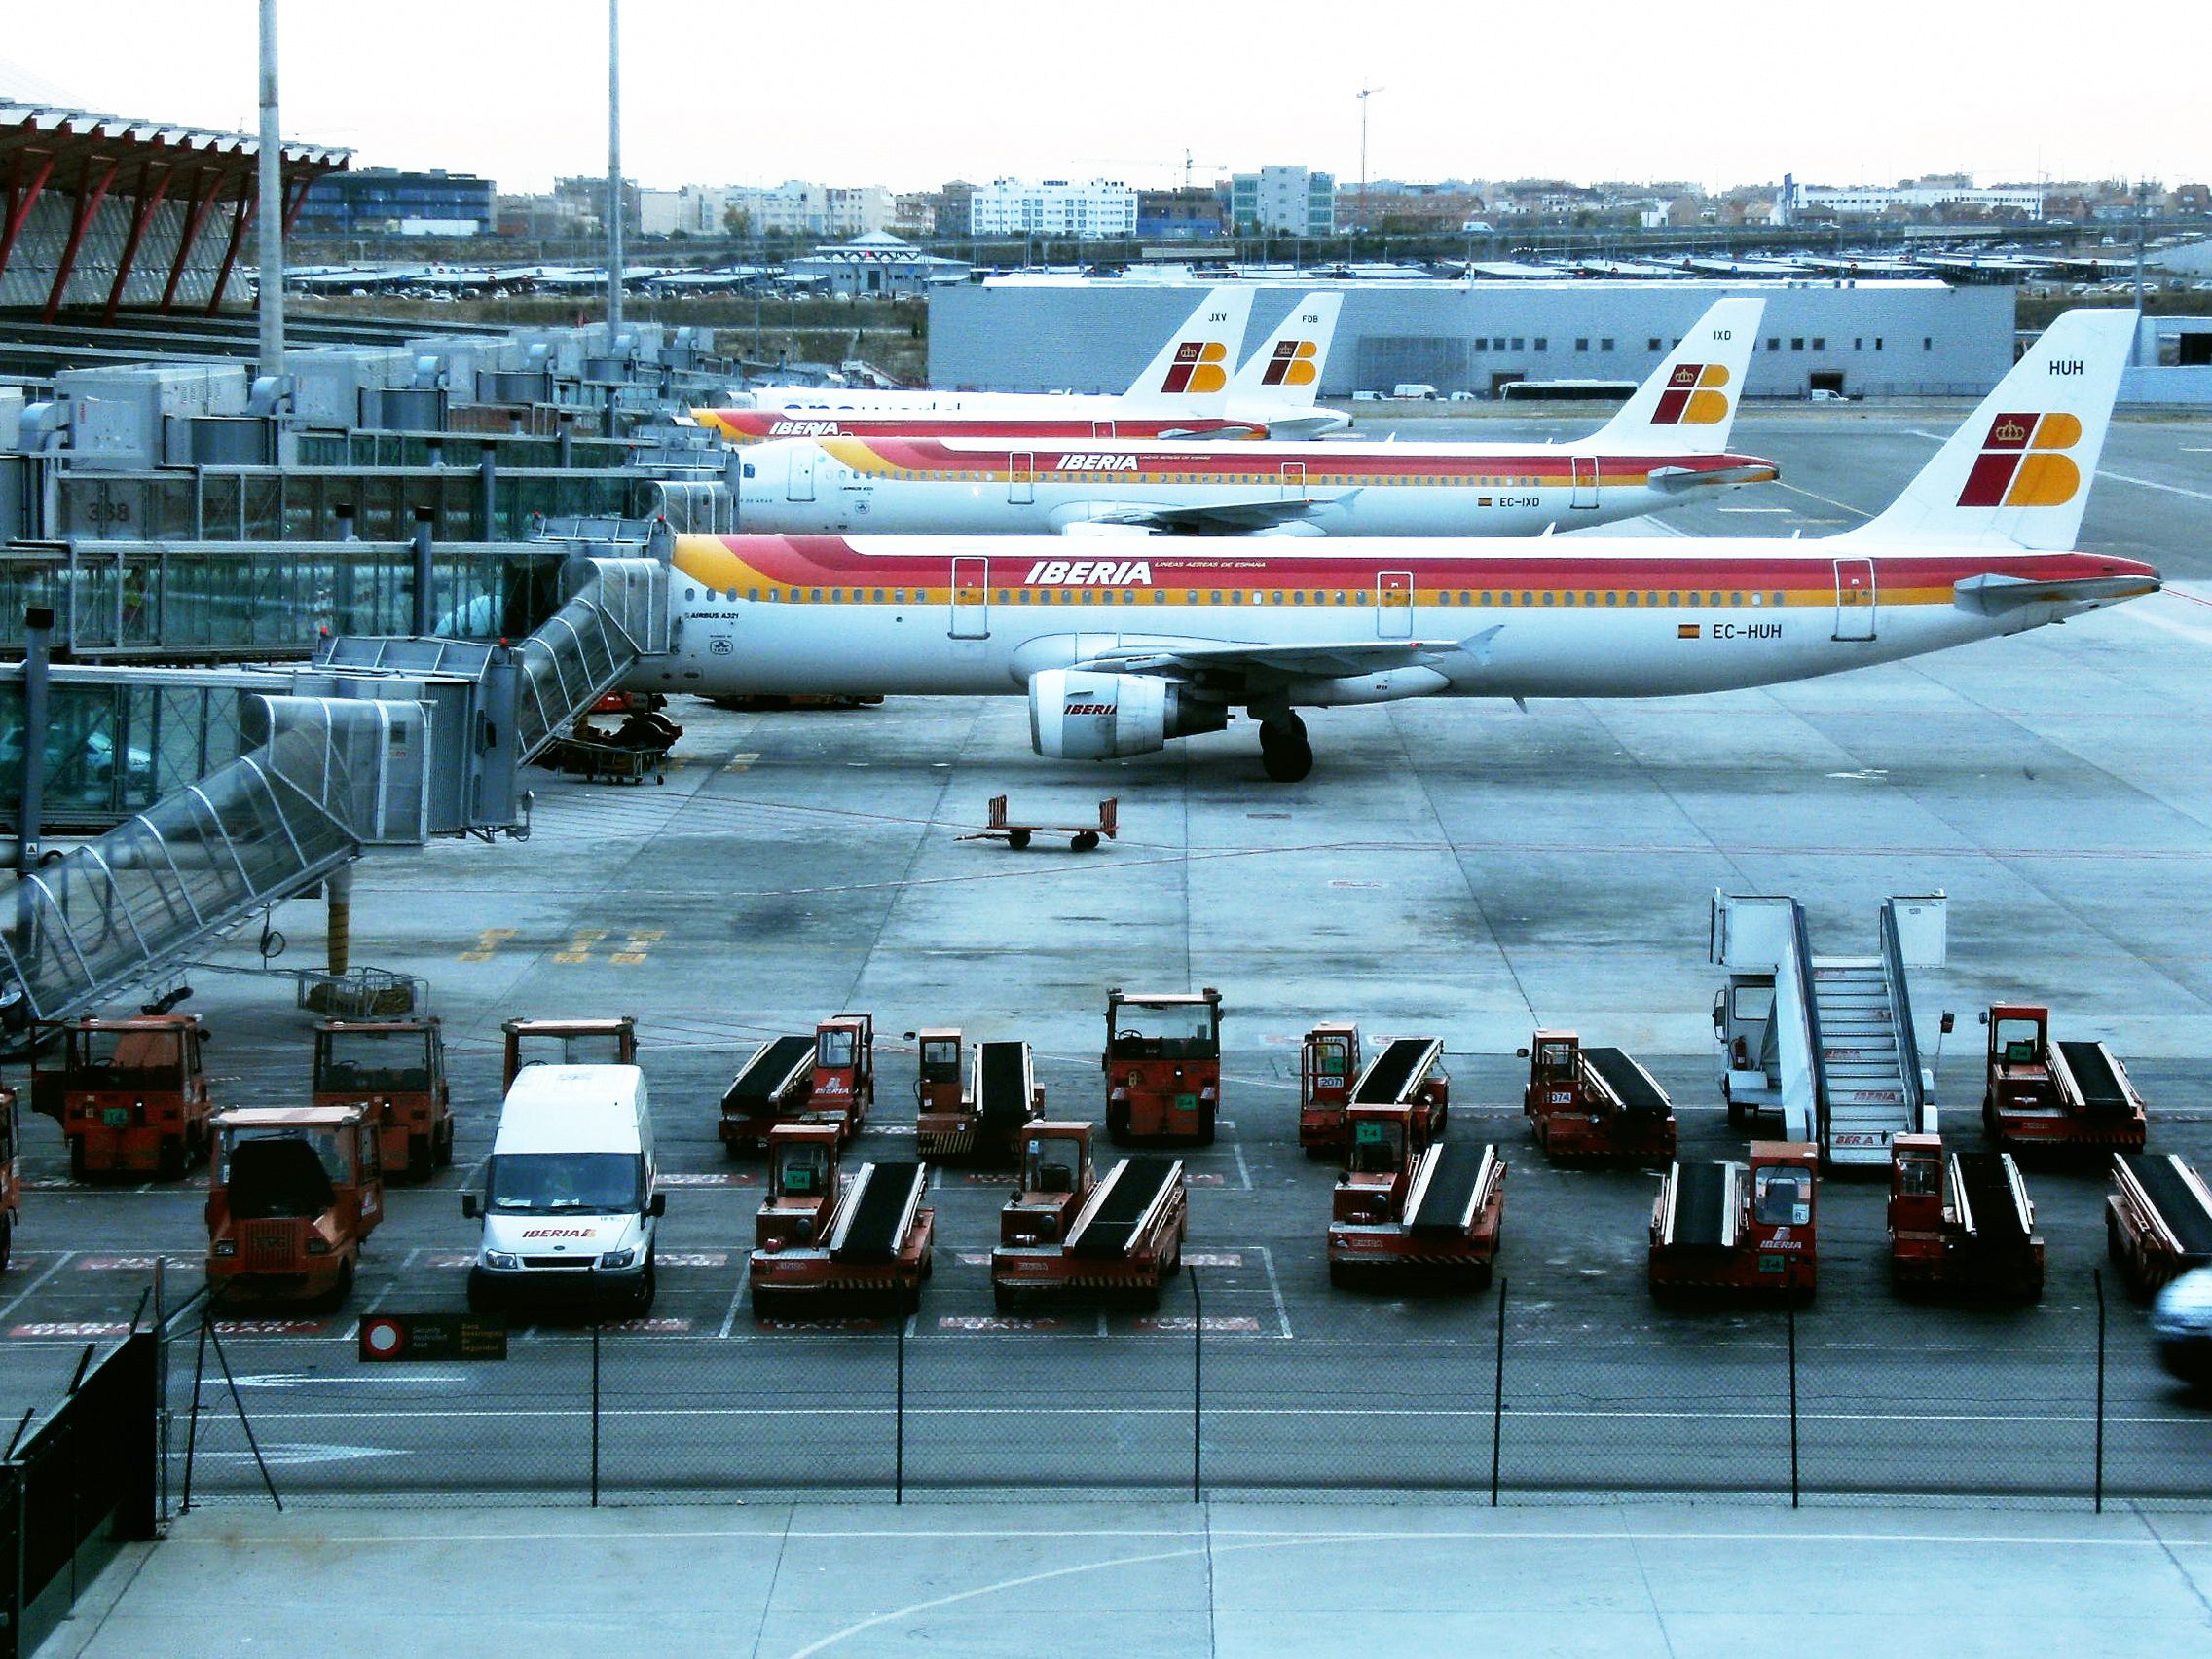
(1208, 1178)
(1243, 1169)
(2153, 484)
(1757, 509)
(1212, 1258)
(133, 1264)
(710, 1178)
(1275, 1287)
(283, 1457)
(736, 1301)
(999, 1322)
(59, 1262)
(38, 1328)
(1234, 1324)
(973, 1258)
(1825, 501)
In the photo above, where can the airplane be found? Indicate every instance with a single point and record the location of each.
(1119, 656)
(1272, 395)
(1667, 445)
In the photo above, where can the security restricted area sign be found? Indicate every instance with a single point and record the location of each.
(432, 1336)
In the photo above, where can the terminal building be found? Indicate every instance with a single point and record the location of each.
(383, 199)
(1906, 337)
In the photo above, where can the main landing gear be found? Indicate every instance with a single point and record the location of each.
(1284, 753)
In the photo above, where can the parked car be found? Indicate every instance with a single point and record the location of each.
(2182, 1321)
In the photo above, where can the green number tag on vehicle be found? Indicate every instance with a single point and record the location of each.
(1772, 1264)
(116, 1116)
(1186, 1102)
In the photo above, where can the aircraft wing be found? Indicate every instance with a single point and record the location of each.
(1227, 515)
(1255, 660)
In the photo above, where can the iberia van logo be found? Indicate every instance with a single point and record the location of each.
(1693, 396)
(2023, 465)
(1292, 363)
(1196, 368)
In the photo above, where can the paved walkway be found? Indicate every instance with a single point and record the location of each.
(1226, 1579)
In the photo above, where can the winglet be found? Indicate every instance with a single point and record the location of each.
(1689, 401)
(2017, 473)
(1189, 374)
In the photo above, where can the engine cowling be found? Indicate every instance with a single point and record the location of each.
(1078, 715)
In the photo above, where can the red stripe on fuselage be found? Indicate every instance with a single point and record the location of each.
(1368, 460)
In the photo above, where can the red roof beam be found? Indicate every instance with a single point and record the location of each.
(149, 202)
(207, 189)
(22, 197)
(90, 196)
(239, 222)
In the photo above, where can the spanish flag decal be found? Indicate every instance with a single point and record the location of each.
(1685, 630)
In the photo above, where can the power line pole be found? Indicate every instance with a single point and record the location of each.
(614, 166)
(271, 207)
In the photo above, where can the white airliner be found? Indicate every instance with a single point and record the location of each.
(1667, 444)
(1272, 396)
(1119, 654)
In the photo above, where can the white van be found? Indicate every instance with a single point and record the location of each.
(1415, 392)
(569, 1205)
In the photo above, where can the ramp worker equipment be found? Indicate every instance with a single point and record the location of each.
(2158, 1218)
(824, 1239)
(1163, 1066)
(828, 1078)
(293, 1192)
(1594, 1105)
(1961, 1221)
(2068, 1096)
(130, 1094)
(395, 1068)
(1081, 838)
(975, 1112)
(1732, 1228)
(1066, 1234)
(1328, 1064)
(1411, 1210)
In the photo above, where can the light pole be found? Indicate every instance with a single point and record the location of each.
(613, 169)
(1365, 92)
(270, 164)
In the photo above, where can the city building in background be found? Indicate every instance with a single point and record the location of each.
(385, 199)
(1054, 207)
(1283, 201)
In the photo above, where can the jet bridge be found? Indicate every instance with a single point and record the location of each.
(380, 743)
(1825, 1042)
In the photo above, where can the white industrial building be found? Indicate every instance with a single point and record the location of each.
(1905, 338)
(1795, 204)
(1283, 201)
(1054, 207)
(797, 207)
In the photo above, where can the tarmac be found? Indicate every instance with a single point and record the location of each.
(1222, 1580)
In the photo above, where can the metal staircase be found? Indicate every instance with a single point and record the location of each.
(1868, 1096)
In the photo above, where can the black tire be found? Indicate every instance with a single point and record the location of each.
(1735, 1112)
(77, 1162)
(337, 1295)
(1085, 841)
(172, 1161)
(1117, 1124)
(443, 1141)
(481, 1298)
(7, 1237)
(642, 1299)
(1206, 1125)
(1341, 1275)
(1017, 839)
(1286, 763)
(1005, 1298)
(419, 1157)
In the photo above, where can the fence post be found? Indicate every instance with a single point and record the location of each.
(162, 1389)
(1497, 1397)
(596, 1323)
(1791, 1296)
(2097, 1274)
(1198, 1387)
(898, 1415)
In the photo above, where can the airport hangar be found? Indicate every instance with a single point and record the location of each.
(1886, 338)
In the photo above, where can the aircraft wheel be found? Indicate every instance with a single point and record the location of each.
(1284, 753)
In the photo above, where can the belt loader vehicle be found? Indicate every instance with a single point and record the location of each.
(397, 1069)
(1961, 1221)
(1408, 1072)
(828, 1077)
(568, 1043)
(1328, 1065)
(293, 1192)
(1738, 1229)
(1163, 1066)
(824, 1239)
(2060, 1096)
(974, 1112)
(1068, 1233)
(1408, 1208)
(2158, 1218)
(1594, 1105)
(131, 1095)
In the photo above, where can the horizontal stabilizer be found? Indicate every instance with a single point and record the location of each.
(1995, 595)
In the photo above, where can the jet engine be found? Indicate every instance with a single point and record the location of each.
(1076, 715)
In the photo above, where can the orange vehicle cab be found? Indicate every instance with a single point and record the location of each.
(567, 1043)
(1328, 1064)
(1163, 1066)
(824, 1237)
(396, 1069)
(2041, 1094)
(1066, 1233)
(294, 1191)
(131, 1095)
(1594, 1105)
(844, 1072)
(942, 1122)
(1961, 1221)
(1736, 1229)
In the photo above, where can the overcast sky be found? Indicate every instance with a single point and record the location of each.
(911, 95)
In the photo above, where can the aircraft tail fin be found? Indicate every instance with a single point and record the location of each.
(1689, 401)
(2017, 473)
(1190, 372)
(1285, 372)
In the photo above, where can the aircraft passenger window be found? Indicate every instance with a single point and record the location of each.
(1587, 598)
(1778, 598)
(1088, 597)
(1158, 597)
(1215, 596)
(1797, 343)
(748, 469)
(1543, 344)
(1697, 599)
(1551, 598)
(1237, 596)
(817, 596)
(1299, 597)
(1004, 596)
(1276, 598)
(1443, 598)
(1673, 597)
(837, 596)
(753, 593)
(1612, 598)
(1190, 595)
(1505, 599)
(690, 593)
(1024, 596)
(879, 596)
(1654, 346)
(1774, 342)
(1567, 598)
(1713, 599)
(1877, 342)
(1735, 599)
(1631, 596)
(1528, 598)
(1340, 596)
(1820, 342)
(1517, 342)
(1466, 598)
(1758, 599)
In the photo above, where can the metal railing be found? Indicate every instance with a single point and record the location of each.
(1900, 1017)
(1808, 1001)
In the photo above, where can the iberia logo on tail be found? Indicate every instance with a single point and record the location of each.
(1196, 368)
(1292, 363)
(1693, 396)
(2021, 463)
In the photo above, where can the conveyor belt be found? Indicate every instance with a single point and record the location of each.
(1997, 1221)
(765, 1073)
(2102, 1092)
(1627, 1080)
(1112, 1225)
(1451, 1185)
(2176, 1200)
(886, 1191)
(1003, 1082)
(1701, 1204)
(1387, 1075)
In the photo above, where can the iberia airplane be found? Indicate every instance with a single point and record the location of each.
(1272, 396)
(1120, 654)
(1667, 444)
